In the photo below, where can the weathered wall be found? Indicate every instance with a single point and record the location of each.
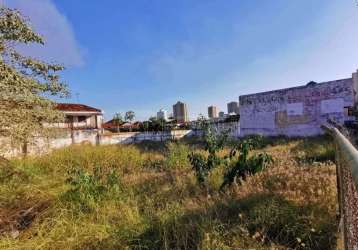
(298, 111)
(233, 128)
(355, 87)
(125, 138)
(44, 145)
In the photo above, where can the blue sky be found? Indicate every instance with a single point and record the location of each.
(143, 55)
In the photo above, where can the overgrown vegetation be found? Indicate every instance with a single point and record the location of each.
(202, 164)
(90, 188)
(147, 197)
(239, 165)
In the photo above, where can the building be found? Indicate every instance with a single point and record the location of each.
(233, 108)
(162, 114)
(80, 116)
(229, 124)
(221, 114)
(212, 112)
(112, 125)
(180, 112)
(297, 111)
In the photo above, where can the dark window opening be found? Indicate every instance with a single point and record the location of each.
(68, 119)
(81, 118)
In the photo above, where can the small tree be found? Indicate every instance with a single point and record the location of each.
(202, 122)
(157, 124)
(203, 165)
(25, 83)
(145, 126)
(240, 165)
(129, 116)
(117, 120)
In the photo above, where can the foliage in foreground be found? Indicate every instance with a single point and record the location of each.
(239, 165)
(128, 204)
(202, 164)
(25, 83)
(89, 188)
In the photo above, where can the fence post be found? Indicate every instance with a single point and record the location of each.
(347, 188)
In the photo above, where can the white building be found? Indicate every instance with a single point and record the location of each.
(79, 116)
(162, 114)
(297, 111)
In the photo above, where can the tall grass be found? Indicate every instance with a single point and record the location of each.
(143, 197)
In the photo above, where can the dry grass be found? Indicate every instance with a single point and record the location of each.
(158, 205)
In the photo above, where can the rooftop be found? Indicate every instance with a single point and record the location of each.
(310, 84)
(76, 107)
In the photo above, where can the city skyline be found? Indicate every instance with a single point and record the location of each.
(161, 52)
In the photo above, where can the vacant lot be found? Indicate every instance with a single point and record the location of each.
(146, 197)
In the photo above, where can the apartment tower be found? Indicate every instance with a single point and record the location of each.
(180, 112)
(233, 108)
(212, 112)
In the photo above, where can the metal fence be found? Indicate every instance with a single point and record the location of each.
(347, 183)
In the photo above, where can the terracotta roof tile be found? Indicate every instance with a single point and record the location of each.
(76, 107)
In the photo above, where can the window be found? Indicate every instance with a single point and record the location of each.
(68, 119)
(82, 118)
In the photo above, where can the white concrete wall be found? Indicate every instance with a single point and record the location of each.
(355, 87)
(233, 128)
(43, 145)
(298, 111)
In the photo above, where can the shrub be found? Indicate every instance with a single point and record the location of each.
(315, 149)
(176, 156)
(203, 165)
(242, 166)
(90, 188)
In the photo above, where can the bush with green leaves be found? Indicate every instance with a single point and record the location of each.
(89, 188)
(238, 162)
(202, 164)
(240, 165)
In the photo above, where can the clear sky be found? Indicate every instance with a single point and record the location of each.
(143, 55)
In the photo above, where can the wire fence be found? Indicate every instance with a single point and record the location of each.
(347, 184)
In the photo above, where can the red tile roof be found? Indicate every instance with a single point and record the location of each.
(76, 107)
(110, 124)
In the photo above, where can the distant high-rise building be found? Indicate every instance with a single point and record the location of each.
(162, 114)
(212, 112)
(180, 112)
(221, 114)
(233, 107)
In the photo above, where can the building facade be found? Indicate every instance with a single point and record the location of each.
(230, 125)
(233, 108)
(162, 114)
(180, 112)
(297, 111)
(80, 116)
(212, 112)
